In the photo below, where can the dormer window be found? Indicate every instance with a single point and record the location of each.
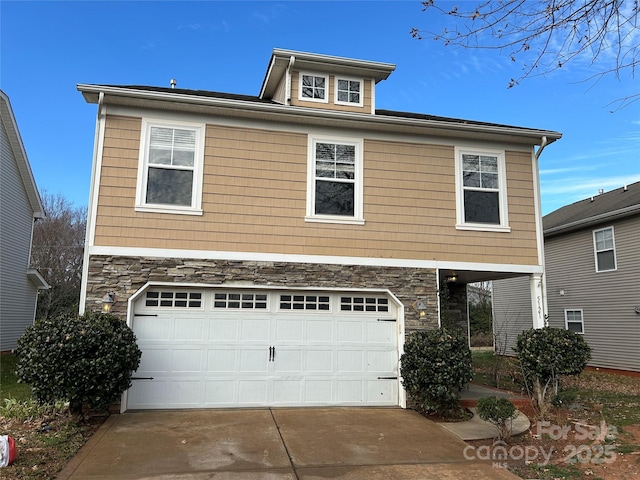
(348, 91)
(314, 87)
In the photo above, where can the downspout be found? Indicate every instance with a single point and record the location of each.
(287, 100)
(543, 279)
(93, 202)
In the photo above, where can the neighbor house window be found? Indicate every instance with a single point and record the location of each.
(348, 91)
(314, 87)
(335, 180)
(481, 190)
(170, 168)
(573, 321)
(605, 249)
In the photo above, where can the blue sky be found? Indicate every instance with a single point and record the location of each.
(48, 47)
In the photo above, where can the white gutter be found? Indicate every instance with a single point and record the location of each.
(540, 230)
(543, 144)
(289, 110)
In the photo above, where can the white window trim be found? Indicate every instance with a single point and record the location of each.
(595, 249)
(566, 321)
(502, 194)
(358, 216)
(198, 167)
(352, 79)
(326, 89)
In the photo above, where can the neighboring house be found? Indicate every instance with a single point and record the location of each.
(274, 249)
(592, 257)
(20, 207)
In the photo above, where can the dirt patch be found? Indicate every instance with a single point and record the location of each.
(572, 444)
(45, 445)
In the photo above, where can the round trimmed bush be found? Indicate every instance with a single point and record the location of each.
(498, 411)
(85, 360)
(435, 367)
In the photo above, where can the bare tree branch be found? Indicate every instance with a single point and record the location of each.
(57, 253)
(544, 35)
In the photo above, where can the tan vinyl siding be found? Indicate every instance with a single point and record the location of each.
(366, 99)
(607, 299)
(254, 200)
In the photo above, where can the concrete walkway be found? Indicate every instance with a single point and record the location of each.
(478, 429)
(274, 444)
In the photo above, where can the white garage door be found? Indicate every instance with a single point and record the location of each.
(212, 348)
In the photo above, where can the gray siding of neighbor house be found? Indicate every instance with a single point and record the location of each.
(17, 293)
(607, 299)
(511, 311)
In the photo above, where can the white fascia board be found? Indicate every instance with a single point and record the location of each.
(290, 113)
(316, 259)
(37, 279)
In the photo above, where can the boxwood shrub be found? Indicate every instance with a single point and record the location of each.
(86, 360)
(435, 367)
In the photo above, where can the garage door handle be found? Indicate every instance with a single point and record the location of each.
(272, 354)
(141, 378)
(387, 378)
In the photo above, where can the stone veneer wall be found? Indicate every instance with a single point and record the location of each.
(126, 275)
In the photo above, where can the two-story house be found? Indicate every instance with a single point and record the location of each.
(592, 256)
(20, 207)
(275, 249)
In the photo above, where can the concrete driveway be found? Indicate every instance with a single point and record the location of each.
(270, 444)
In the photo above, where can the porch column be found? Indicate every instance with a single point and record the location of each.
(538, 309)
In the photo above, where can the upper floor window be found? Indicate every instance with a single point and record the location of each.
(334, 192)
(481, 190)
(605, 249)
(314, 87)
(348, 91)
(573, 321)
(170, 168)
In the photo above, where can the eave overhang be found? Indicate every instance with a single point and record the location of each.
(179, 102)
(37, 279)
(592, 221)
(20, 155)
(280, 59)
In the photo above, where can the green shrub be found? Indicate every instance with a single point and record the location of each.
(546, 354)
(436, 365)
(500, 412)
(86, 360)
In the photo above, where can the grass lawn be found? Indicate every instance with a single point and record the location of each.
(9, 386)
(46, 436)
(593, 398)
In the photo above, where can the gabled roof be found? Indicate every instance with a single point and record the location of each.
(20, 155)
(248, 106)
(618, 203)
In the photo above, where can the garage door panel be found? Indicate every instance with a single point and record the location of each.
(381, 332)
(350, 391)
(350, 361)
(288, 360)
(319, 361)
(382, 391)
(220, 393)
(382, 362)
(252, 392)
(254, 360)
(350, 332)
(231, 355)
(319, 330)
(288, 391)
(186, 393)
(154, 360)
(153, 329)
(223, 330)
(222, 360)
(186, 360)
(289, 330)
(255, 330)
